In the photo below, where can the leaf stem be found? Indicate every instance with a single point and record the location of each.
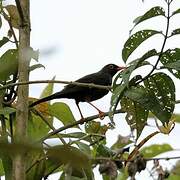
(163, 45)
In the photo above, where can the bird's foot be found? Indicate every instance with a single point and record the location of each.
(81, 121)
(101, 115)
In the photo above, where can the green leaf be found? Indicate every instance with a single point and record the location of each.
(123, 175)
(155, 149)
(153, 12)
(161, 89)
(37, 128)
(84, 147)
(92, 127)
(36, 171)
(3, 41)
(35, 66)
(176, 117)
(175, 32)
(62, 112)
(104, 151)
(135, 40)
(171, 56)
(8, 64)
(1, 168)
(73, 135)
(136, 115)
(5, 157)
(174, 65)
(126, 73)
(158, 96)
(174, 176)
(48, 90)
(116, 96)
(147, 55)
(176, 12)
(7, 110)
(66, 154)
(174, 173)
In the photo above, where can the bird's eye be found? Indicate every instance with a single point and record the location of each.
(111, 66)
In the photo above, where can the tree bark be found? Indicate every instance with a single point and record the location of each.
(20, 134)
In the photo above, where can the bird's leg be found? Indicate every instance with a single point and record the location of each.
(101, 114)
(82, 118)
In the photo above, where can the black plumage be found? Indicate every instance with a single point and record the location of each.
(86, 94)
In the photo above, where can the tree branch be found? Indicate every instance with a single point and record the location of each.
(90, 85)
(81, 121)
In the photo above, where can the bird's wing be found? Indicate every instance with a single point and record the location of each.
(96, 78)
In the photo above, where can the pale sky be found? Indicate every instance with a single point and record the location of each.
(78, 37)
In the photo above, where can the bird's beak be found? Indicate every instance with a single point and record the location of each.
(121, 67)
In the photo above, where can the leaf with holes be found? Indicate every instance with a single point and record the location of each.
(116, 96)
(162, 92)
(171, 56)
(153, 12)
(135, 40)
(158, 96)
(176, 12)
(126, 73)
(175, 32)
(147, 55)
(174, 65)
(136, 115)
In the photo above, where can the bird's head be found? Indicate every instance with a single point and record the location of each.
(112, 69)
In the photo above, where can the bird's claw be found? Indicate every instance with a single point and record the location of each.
(101, 115)
(81, 120)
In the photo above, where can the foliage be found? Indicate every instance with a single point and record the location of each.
(79, 150)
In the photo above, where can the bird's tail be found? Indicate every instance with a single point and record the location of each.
(48, 98)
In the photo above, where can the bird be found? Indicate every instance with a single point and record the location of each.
(86, 94)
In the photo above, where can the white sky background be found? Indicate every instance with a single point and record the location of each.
(78, 37)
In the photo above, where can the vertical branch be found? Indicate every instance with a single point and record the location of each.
(20, 134)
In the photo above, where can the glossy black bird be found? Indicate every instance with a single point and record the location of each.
(86, 94)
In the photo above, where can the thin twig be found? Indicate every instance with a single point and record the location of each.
(90, 85)
(36, 162)
(124, 160)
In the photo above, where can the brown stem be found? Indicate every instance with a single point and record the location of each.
(90, 85)
(81, 121)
